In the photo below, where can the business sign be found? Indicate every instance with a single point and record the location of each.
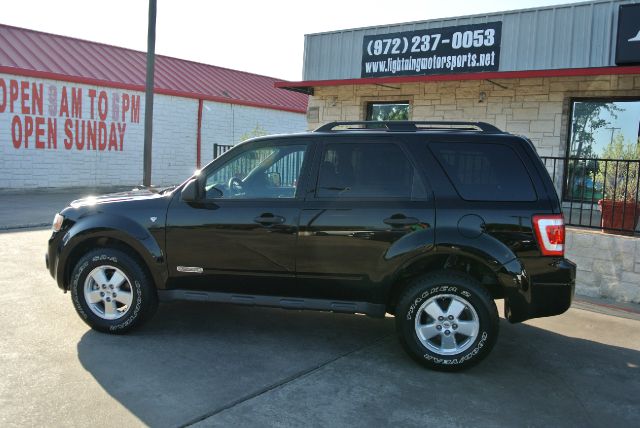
(628, 43)
(58, 116)
(447, 50)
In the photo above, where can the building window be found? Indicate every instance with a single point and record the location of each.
(601, 186)
(603, 150)
(599, 128)
(388, 110)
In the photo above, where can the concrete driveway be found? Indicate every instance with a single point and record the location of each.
(36, 207)
(216, 365)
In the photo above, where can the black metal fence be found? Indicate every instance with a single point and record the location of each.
(287, 167)
(219, 149)
(598, 193)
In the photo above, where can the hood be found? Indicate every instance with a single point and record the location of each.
(131, 195)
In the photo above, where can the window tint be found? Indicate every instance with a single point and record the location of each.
(485, 172)
(367, 170)
(266, 172)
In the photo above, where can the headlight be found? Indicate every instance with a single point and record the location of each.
(57, 222)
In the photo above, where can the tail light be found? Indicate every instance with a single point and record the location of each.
(550, 233)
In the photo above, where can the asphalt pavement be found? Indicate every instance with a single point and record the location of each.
(215, 365)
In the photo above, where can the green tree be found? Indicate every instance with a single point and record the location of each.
(621, 181)
(587, 118)
(258, 131)
(391, 112)
(394, 113)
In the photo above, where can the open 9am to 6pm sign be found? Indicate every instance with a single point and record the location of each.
(459, 49)
(37, 115)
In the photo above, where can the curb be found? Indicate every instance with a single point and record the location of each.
(612, 306)
(24, 226)
(607, 307)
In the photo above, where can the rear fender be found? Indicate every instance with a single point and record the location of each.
(484, 249)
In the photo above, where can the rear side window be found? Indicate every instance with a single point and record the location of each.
(367, 170)
(485, 172)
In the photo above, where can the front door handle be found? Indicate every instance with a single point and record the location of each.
(268, 219)
(401, 220)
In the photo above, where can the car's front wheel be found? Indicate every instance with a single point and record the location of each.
(111, 291)
(447, 321)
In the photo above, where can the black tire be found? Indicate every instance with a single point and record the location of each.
(450, 286)
(144, 299)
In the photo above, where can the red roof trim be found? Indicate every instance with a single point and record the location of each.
(594, 71)
(140, 88)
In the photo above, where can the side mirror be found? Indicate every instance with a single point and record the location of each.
(190, 191)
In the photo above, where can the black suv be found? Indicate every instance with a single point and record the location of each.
(427, 221)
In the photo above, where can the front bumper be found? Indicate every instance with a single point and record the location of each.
(52, 256)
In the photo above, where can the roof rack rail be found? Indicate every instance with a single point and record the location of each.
(409, 126)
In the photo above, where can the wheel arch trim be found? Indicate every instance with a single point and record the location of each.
(115, 228)
(510, 274)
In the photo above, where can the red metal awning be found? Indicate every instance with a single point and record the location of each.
(307, 86)
(49, 56)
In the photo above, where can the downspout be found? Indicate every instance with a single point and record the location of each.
(199, 136)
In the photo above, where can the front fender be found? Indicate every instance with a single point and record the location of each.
(115, 227)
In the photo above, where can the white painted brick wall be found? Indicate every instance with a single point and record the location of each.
(28, 167)
(174, 139)
(175, 123)
(227, 123)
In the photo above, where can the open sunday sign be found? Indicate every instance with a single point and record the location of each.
(88, 119)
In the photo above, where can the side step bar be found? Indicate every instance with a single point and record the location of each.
(342, 306)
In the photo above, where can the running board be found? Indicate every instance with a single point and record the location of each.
(342, 306)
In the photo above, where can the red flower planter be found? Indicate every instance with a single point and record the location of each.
(619, 215)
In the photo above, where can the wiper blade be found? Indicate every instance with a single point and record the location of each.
(167, 189)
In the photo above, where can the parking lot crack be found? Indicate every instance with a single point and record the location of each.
(299, 375)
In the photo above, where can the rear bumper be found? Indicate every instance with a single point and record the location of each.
(543, 295)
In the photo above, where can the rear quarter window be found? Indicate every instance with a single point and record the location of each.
(485, 172)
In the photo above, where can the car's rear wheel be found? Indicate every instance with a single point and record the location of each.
(447, 321)
(111, 291)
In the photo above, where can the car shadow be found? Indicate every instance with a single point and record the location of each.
(194, 357)
(194, 360)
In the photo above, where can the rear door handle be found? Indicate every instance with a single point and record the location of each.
(401, 220)
(268, 219)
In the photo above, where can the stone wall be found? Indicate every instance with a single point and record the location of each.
(608, 265)
(535, 107)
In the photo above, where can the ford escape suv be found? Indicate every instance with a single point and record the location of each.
(427, 221)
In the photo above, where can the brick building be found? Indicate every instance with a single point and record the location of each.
(567, 77)
(72, 112)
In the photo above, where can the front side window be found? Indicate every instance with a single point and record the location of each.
(367, 170)
(263, 172)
